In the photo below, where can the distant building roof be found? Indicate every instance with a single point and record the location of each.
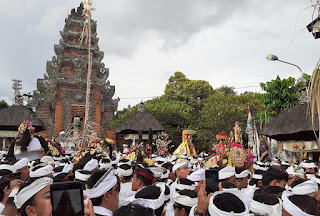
(294, 123)
(139, 119)
(12, 117)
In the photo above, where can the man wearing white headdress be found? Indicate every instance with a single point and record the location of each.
(124, 172)
(28, 203)
(310, 167)
(308, 187)
(104, 192)
(295, 172)
(181, 170)
(22, 166)
(92, 165)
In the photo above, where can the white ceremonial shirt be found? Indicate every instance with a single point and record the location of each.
(102, 211)
(125, 192)
(32, 152)
(1, 207)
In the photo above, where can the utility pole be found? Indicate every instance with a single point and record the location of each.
(17, 86)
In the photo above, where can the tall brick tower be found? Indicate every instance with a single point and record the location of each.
(60, 96)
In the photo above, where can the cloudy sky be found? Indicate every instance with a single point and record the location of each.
(145, 42)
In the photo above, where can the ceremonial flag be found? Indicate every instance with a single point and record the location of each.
(88, 2)
(249, 131)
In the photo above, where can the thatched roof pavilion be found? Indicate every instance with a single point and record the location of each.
(294, 123)
(12, 117)
(129, 129)
(293, 129)
(139, 119)
(10, 120)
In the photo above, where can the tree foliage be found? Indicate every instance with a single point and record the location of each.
(220, 113)
(3, 104)
(281, 93)
(180, 88)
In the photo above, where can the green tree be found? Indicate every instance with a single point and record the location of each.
(180, 88)
(281, 93)
(221, 111)
(3, 104)
(226, 90)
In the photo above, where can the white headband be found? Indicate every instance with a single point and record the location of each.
(21, 163)
(185, 200)
(128, 163)
(243, 174)
(26, 193)
(165, 174)
(66, 169)
(83, 177)
(198, 175)
(105, 165)
(264, 209)
(290, 207)
(91, 165)
(8, 167)
(185, 187)
(143, 202)
(43, 171)
(305, 188)
(257, 167)
(226, 172)
(179, 164)
(295, 171)
(157, 203)
(123, 172)
(104, 184)
(213, 210)
(308, 165)
(257, 176)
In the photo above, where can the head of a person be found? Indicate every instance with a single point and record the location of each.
(260, 205)
(306, 187)
(23, 169)
(227, 174)
(184, 201)
(34, 198)
(292, 178)
(141, 178)
(152, 192)
(306, 204)
(226, 202)
(125, 172)
(25, 173)
(275, 190)
(134, 210)
(7, 185)
(169, 166)
(182, 172)
(242, 176)
(256, 179)
(25, 139)
(83, 177)
(275, 177)
(104, 189)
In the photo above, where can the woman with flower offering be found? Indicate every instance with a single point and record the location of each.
(25, 145)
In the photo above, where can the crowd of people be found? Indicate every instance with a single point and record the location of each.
(171, 186)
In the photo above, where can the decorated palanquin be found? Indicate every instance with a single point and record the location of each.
(139, 153)
(55, 148)
(232, 153)
(162, 144)
(186, 147)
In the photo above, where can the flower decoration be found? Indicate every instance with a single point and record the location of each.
(26, 125)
